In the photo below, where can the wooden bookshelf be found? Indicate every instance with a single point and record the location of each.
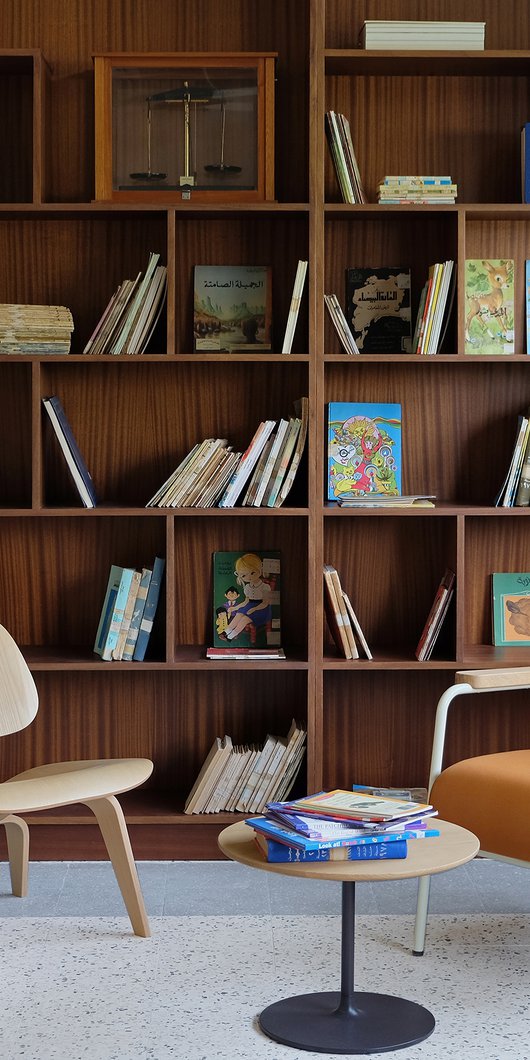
(135, 417)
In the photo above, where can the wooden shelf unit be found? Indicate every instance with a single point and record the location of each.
(134, 418)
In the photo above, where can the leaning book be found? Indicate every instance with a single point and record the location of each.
(232, 308)
(363, 448)
(377, 309)
(246, 599)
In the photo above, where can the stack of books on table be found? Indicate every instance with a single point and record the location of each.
(38, 329)
(422, 35)
(245, 777)
(129, 607)
(422, 190)
(129, 319)
(341, 826)
(213, 474)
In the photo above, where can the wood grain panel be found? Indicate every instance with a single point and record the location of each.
(491, 546)
(506, 23)
(16, 116)
(15, 436)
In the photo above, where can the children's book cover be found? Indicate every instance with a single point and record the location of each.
(232, 308)
(489, 324)
(246, 599)
(378, 309)
(364, 448)
(511, 609)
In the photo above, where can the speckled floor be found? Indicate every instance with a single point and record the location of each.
(227, 941)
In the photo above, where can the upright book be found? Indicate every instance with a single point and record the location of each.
(246, 599)
(112, 612)
(489, 322)
(149, 609)
(511, 609)
(232, 308)
(377, 309)
(363, 448)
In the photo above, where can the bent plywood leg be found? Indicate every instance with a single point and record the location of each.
(17, 835)
(109, 815)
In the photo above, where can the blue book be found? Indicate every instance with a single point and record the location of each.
(112, 612)
(363, 449)
(71, 452)
(525, 162)
(282, 834)
(282, 852)
(137, 615)
(151, 603)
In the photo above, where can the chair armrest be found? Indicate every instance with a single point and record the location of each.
(492, 679)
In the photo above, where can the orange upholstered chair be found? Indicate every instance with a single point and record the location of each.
(480, 793)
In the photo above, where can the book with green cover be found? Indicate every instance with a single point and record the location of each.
(489, 306)
(246, 599)
(511, 609)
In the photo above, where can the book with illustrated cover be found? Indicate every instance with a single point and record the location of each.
(511, 609)
(363, 448)
(246, 599)
(489, 306)
(377, 309)
(232, 308)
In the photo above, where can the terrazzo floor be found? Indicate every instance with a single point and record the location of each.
(228, 941)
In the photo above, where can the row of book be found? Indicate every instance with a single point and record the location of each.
(422, 35)
(38, 329)
(338, 134)
(129, 608)
(515, 489)
(342, 620)
(130, 317)
(434, 308)
(432, 190)
(245, 777)
(362, 824)
(212, 473)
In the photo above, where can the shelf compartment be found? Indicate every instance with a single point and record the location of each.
(24, 79)
(15, 436)
(491, 547)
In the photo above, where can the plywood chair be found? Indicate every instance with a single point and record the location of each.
(480, 793)
(94, 783)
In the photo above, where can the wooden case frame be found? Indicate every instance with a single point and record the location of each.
(264, 64)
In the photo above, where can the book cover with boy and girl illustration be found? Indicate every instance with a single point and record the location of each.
(246, 601)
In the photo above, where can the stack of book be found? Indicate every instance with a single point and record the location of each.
(39, 329)
(129, 319)
(245, 777)
(342, 620)
(436, 616)
(422, 35)
(398, 190)
(212, 473)
(340, 143)
(128, 612)
(341, 826)
(515, 489)
(434, 308)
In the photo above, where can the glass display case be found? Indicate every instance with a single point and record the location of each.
(173, 127)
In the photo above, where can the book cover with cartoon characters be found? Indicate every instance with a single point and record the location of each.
(246, 599)
(489, 324)
(378, 309)
(363, 448)
(511, 609)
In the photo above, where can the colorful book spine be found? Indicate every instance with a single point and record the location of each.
(282, 853)
(113, 611)
(283, 834)
(137, 615)
(151, 603)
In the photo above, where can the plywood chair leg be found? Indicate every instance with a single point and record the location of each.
(17, 836)
(109, 815)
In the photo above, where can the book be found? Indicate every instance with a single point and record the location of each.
(356, 625)
(37, 329)
(294, 308)
(112, 612)
(117, 651)
(522, 491)
(437, 613)
(363, 448)
(302, 411)
(208, 774)
(489, 298)
(128, 322)
(400, 34)
(282, 853)
(525, 162)
(150, 608)
(232, 308)
(246, 599)
(383, 500)
(358, 806)
(338, 135)
(341, 324)
(298, 832)
(507, 494)
(71, 452)
(511, 609)
(137, 615)
(377, 309)
(337, 614)
(245, 653)
(282, 461)
(246, 464)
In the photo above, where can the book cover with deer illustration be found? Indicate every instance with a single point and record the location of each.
(489, 325)
(246, 599)
(511, 609)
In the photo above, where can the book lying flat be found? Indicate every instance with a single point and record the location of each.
(279, 852)
(354, 805)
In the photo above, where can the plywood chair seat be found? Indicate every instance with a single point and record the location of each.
(93, 783)
(488, 794)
